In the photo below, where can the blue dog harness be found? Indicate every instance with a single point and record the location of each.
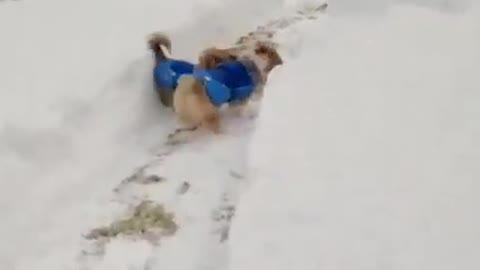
(167, 73)
(229, 82)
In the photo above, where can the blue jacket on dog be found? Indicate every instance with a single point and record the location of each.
(229, 82)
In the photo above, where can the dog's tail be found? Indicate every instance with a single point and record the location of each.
(161, 46)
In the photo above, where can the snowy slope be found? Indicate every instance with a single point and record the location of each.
(367, 163)
(78, 116)
(367, 152)
(69, 78)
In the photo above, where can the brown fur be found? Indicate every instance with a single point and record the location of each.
(270, 53)
(211, 57)
(193, 106)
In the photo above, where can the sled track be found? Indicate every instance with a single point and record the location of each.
(199, 182)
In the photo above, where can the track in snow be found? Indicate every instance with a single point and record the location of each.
(200, 182)
(75, 124)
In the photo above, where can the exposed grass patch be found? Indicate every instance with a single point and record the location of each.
(148, 217)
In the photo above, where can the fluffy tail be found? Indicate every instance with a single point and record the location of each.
(161, 45)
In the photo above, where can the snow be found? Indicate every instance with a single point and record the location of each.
(78, 115)
(373, 168)
(366, 152)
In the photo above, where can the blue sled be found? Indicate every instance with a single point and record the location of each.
(227, 83)
(167, 73)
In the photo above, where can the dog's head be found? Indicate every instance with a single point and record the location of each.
(270, 55)
(263, 55)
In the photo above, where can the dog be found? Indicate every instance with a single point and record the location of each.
(222, 77)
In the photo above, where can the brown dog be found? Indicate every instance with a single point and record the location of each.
(190, 100)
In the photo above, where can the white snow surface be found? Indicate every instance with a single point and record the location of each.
(78, 114)
(364, 155)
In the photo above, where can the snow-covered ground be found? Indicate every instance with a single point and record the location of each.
(367, 150)
(364, 155)
(78, 115)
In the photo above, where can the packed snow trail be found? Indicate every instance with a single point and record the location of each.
(200, 182)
